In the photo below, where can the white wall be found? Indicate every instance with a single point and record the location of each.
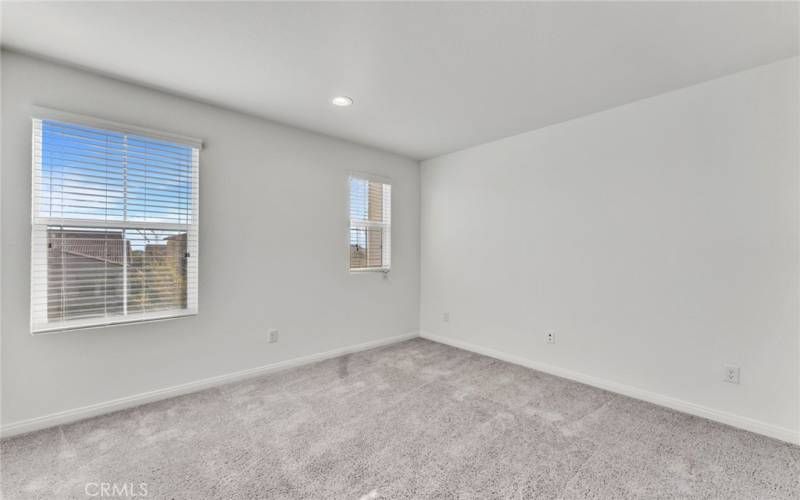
(659, 240)
(273, 250)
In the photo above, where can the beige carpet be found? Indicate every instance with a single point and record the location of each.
(412, 420)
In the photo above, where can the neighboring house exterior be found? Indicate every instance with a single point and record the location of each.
(86, 273)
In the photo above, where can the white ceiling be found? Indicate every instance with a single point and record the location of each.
(427, 78)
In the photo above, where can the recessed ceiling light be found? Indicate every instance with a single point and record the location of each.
(341, 100)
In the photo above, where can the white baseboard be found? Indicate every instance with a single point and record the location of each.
(73, 415)
(749, 424)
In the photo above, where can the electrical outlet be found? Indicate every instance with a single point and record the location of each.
(272, 336)
(446, 317)
(550, 336)
(732, 374)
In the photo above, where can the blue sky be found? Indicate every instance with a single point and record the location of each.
(359, 189)
(96, 174)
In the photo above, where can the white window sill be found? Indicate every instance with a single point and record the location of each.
(359, 270)
(91, 323)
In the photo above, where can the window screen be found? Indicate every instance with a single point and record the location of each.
(115, 227)
(370, 224)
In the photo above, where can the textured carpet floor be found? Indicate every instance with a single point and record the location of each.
(412, 420)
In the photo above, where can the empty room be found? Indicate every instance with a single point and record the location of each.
(400, 250)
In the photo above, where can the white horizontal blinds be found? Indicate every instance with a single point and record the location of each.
(115, 227)
(370, 224)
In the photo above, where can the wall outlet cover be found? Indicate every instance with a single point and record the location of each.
(732, 374)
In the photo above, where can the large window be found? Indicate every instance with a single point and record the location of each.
(115, 226)
(370, 224)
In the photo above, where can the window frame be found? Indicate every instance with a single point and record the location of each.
(39, 223)
(386, 226)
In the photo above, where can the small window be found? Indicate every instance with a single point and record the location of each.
(370, 224)
(115, 227)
